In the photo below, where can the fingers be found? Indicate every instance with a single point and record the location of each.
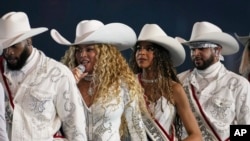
(83, 75)
(78, 74)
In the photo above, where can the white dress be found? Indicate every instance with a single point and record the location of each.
(103, 120)
(164, 112)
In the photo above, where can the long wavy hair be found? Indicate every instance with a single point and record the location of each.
(164, 70)
(111, 70)
(244, 68)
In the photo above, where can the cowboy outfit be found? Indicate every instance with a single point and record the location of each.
(104, 119)
(218, 97)
(42, 96)
(163, 117)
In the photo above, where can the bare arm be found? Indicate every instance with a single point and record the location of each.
(186, 115)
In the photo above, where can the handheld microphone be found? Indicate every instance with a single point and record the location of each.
(81, 68)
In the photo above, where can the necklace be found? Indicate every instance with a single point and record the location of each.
(90, 91)
(149, 80)
(88, 77)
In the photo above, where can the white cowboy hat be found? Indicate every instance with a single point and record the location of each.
(94, 31)
(208, 32)
(153, 33)
(15, 27)
(242, 39)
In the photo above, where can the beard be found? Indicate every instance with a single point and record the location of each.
(203, 64)
(20, 61)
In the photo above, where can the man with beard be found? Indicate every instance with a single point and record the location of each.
(42, 99)
(218, 97)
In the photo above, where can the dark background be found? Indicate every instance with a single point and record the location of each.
(176, 17)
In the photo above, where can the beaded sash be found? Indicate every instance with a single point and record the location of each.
(153, 130)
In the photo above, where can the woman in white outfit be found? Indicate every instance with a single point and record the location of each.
(153, 60)
(111, 94)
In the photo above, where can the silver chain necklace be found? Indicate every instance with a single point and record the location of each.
(149, 80)
(88, 77)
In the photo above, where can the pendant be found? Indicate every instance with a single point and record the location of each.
(90, 91)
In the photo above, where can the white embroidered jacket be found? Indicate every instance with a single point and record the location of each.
(3, 132)
(223, 102)
(46, 100)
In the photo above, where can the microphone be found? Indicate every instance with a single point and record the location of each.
(81, 68)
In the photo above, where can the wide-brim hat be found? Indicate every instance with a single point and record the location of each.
(208, 32)
(15, 27)
(94, 31)
(242, 39)
(153, 33)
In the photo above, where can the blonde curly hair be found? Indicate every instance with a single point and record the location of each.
(110, 71)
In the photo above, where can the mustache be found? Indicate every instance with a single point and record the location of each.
(196, 58)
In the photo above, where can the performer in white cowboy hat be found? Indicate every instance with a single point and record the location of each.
(113, 99)
(42, 96)
(244, 68)
(153, 60)
(219, 97)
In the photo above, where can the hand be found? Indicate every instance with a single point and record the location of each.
(78, 74)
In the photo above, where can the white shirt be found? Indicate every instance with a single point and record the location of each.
(3, 132)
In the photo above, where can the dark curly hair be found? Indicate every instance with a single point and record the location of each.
(162, 66)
